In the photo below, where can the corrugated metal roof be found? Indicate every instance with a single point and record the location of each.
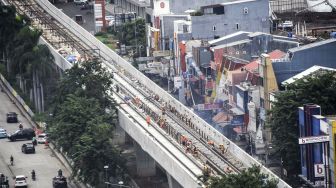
(236, 2)
(312, 45)
(305, 73)
(231, 44)
(227, 37)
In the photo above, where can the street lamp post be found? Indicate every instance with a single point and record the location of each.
(106, 180)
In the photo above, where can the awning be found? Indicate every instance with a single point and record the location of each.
(237, 111)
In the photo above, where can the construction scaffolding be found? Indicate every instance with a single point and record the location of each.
(285, 6)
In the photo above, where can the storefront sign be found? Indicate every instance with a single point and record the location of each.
(319, 170)
(314, 139)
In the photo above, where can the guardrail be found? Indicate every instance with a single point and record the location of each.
(111, 57)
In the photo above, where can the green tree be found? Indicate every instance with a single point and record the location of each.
(319, 88)
(82, 126)
(10, 25)
(89, 79)
(250, 178)
(133, 34)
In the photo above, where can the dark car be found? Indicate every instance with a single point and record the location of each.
(59, 182)
(12, 117)
(28, 148)
(22, 134)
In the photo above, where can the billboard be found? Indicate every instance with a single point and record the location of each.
(209, 106)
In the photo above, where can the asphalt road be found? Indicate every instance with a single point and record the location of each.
(43, 161)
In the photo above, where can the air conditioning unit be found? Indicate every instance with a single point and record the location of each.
(245, 10)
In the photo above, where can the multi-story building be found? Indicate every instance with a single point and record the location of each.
(317, 146)
(222, 19)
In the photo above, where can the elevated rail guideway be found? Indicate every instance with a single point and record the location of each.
(173, 128)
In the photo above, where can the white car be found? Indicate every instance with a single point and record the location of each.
(20, 181)
(3, 133)
(42, 138)
(80, 2)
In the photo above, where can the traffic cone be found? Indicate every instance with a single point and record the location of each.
(46, 144)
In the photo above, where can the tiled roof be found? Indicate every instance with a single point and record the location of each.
(276, 54)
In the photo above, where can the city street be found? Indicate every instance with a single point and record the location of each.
(43, 161)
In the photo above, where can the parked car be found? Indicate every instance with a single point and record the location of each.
(20, 181)
(3, 133)
(12, 117)
(81, 2)
(28, 148)
(42, 138)
(59, 182)
(28, 133)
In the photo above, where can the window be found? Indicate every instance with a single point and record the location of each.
(218, 10)
(208, 11)
(245, 10)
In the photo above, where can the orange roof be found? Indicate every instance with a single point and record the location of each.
(251, 66)
(276, 54)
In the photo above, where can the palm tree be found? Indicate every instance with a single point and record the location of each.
(22, 53)
(39, 69)
(10, 24)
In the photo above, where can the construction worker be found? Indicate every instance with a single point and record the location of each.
(20, 126)
(210, 142)
(148, 120)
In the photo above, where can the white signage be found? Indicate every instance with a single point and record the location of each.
(319, 170)
(177, 82)
(161, 7)
(98, 12)
(313, 139)
(99, 23)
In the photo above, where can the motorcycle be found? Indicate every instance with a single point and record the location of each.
(33, 175)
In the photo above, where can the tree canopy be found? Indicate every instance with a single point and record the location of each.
(318, 88)
(250, 178)
(133, 33)
(82, 126)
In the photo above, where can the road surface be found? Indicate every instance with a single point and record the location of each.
(43, 161)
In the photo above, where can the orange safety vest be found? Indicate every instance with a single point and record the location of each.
(148, 120)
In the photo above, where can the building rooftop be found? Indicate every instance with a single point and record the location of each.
(312, 45)
(213, 42)
(231, 44)
(237, 2)
(305, 73)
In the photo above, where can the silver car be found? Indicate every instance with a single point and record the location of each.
(3, 133)
(42, 138)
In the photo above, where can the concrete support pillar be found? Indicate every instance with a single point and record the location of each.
(145, 163)
(119, 137)
(172, 182)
